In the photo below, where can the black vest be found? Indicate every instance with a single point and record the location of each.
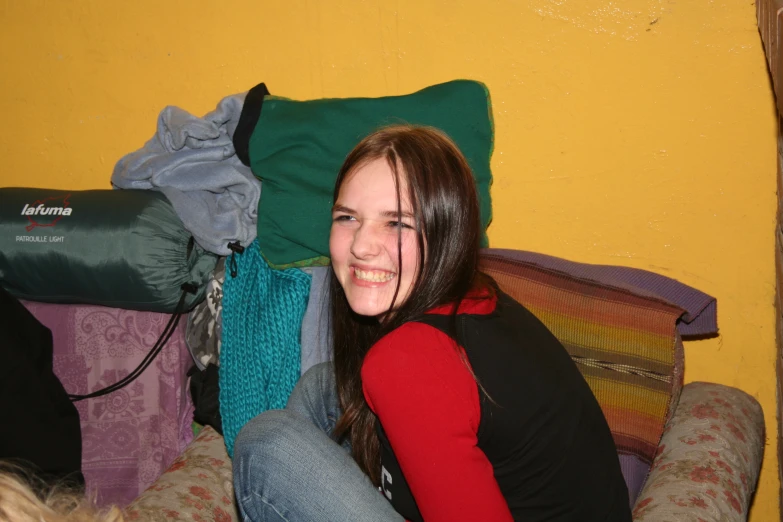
(541, 427)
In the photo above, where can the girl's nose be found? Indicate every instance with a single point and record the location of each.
(366, 242)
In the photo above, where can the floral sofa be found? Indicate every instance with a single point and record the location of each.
(706, 469)
(689, 453)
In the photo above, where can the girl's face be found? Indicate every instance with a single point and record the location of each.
(364, 240)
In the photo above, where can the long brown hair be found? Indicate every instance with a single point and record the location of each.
(444, 201)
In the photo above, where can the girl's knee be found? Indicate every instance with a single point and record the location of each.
(270, 431)
(318, 378)
(267, 446)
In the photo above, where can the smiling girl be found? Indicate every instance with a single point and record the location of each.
(447, 400)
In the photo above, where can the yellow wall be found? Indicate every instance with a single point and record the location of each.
(633, 132)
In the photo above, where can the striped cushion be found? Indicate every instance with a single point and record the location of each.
(625, 343)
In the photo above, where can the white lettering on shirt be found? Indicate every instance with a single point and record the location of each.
(386, 478)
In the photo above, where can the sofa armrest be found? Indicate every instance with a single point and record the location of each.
(708, 460)
(196, 487)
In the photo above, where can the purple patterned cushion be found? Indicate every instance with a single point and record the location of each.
(129, 437)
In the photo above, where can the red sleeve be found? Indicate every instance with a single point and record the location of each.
(427, 401)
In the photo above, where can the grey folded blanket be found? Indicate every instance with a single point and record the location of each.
(192, 161)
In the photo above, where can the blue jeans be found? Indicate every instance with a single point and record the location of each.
(287, 466)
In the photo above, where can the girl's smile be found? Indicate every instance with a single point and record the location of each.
(372, 277)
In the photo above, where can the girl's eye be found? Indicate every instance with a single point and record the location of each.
(344, 217)
(398, 224)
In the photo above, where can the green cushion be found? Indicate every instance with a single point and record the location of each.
(298, 147)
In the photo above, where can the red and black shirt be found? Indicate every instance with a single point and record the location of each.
(532, 445)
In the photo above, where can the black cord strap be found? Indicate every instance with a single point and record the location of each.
(236, 248)
(171, 326)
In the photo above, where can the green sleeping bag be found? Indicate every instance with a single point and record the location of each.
(118, 248)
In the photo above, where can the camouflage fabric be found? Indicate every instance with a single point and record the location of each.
(205, 321)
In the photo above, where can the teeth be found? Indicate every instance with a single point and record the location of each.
(375, 277)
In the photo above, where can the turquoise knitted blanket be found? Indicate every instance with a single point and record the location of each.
(260, 343)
